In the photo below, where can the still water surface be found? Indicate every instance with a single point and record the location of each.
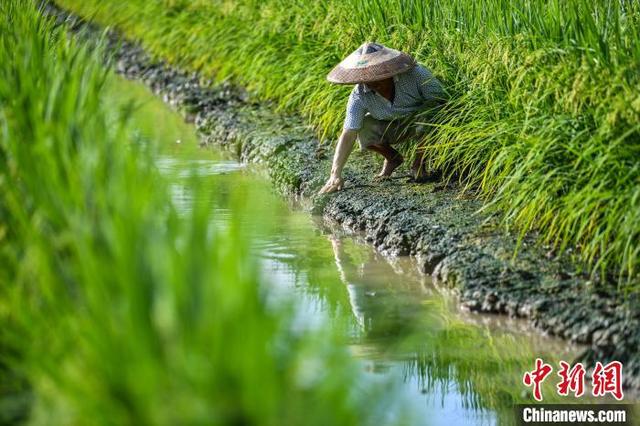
(447, 367)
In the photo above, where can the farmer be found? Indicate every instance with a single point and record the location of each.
(389, 88)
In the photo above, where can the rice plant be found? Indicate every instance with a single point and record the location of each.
(115, 309)
(544, 111)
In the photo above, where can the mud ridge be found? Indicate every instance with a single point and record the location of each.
(465, 251)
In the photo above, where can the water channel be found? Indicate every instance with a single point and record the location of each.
(446, 366)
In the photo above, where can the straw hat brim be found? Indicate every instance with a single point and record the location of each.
(350, 72)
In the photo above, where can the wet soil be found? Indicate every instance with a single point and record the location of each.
(440, 225)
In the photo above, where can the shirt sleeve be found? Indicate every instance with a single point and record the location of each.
(355, 112)
(429, 87)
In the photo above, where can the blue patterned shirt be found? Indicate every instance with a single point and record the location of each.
(415, 90)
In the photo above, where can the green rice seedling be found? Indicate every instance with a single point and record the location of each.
(542, 121)
(115, 309)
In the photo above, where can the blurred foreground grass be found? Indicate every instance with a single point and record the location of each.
(115, 309)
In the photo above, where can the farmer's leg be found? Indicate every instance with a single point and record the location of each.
(392, 159)
(405, 129)
(374, 136)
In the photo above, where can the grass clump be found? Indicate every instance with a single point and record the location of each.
(115, 309)
(544, 111)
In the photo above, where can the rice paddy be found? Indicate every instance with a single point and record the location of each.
(123, 300)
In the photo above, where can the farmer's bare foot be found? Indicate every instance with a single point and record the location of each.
(389, 166)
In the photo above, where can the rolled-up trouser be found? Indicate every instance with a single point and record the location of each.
(381, 132)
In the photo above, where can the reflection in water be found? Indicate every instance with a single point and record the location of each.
(369, 287)
(466, 368)
(387, 304)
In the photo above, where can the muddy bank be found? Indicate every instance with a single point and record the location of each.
(465, 251)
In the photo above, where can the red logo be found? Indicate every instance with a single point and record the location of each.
(572, 379)
(605, 379)
(608, 379)
(536, 377)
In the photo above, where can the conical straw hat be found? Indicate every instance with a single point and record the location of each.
(370, 62)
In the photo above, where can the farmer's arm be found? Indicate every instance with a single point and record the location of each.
(352, 123)
(343, 149)
(433, 94)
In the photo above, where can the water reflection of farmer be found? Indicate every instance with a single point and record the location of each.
(390, 88)
(381, 314)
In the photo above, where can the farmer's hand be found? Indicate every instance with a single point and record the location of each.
(343, 149)
(335, 183)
